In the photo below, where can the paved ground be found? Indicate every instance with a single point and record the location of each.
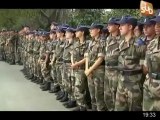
(19, 94)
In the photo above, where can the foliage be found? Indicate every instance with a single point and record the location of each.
(41, 18)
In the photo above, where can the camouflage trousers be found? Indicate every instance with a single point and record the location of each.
(59, 73)
(35, 64)
(25, 59)
(39, 74)
(96, 88)
(68, 80)
(18, 55)
(11, 54)
(53, 73)
(30, 64)
(23, 54)
(2, 53)
(80, 87)
(45, 70)
(110, 88)
(151, 95)
(129, 93)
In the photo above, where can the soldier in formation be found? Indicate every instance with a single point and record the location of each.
(101, 68)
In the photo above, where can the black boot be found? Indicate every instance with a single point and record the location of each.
(71, 104)
(52, 87)
(59, 93)
(76, 109)
(39, 81)
(43, 82)
(56, 89)
(80, 108)
(67, 102)
(36, 80)
(94, 108)
(65, 98)
(31, 77)
(47, 86)
(43, 85)
(60, 96)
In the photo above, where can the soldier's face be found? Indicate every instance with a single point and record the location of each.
(112, 28)
(58, 34)
(68, 35)
(79, 34)
(149, 30)
(124, 28)
(36, 37)
(94, 32)
(26, 29)
(52, 36)
(157, 28)
(30, 36)
(137, 32)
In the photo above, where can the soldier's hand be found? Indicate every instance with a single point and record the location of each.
(87, 72)
(74, 66)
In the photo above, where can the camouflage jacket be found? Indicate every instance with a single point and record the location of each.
(95, 49)
(130, 54)
(36, 47)
(68, 50)
(112, 51)
(59, 50)
(152, 58)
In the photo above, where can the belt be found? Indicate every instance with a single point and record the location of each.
(91, 63)
(130, 72)
(60, 60)
(67, 61)
(112, 63)
(155, 76)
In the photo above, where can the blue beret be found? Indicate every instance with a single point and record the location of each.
(129, 20)
(70, 30)
(113, 21)
(82, 28)
(96, 25)
(149, 21)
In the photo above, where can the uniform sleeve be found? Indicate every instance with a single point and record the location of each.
(101, 49)
(141, 53)
(87, 49)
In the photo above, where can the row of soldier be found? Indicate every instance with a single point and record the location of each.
(115, 72)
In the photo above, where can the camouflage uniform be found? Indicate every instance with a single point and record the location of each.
(36, 48)
(111, 75)
(96, 80)
(6, 47)
(45, 69)
(67, 77)
(129, 93)
(80, 90)
(59, 62)
(2, 44)
(12, 44)
(52, 47)
(18, 50)
(30, 58)
(25, 55)
(151, 85)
